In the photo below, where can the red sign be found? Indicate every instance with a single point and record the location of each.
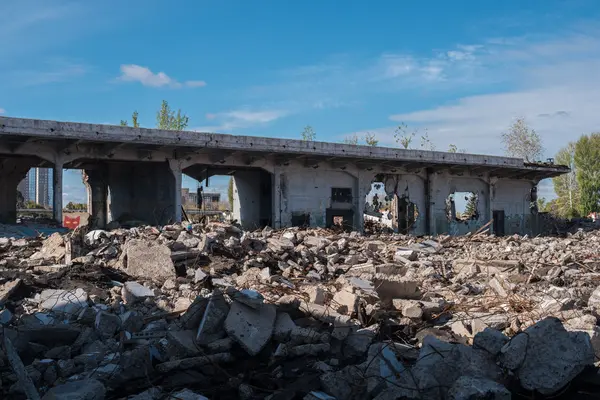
(71, 223)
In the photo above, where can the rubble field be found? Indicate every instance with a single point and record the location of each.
(212, 312)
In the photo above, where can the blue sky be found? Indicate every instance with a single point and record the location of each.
(461, 69)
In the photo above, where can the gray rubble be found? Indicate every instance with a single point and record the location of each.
(208, 311)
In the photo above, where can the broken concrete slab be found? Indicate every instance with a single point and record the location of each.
(210, 328)
(149, 260)
(67, 302)
(251, 328)
(547, 365)
(345, 302)
(85, 389)
(133, 292)
(471, 388)
(53, 248)
(7, 289)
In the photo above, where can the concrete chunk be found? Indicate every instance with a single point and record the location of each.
(344, 302)
(85, 389)
(53, 248)
(149, 260)
(69, 302)
(7, 289)
(210, 328)
(547, 357)
(470, 388)
(251, 328)
(133, 292)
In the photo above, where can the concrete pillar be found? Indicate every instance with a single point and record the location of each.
(57, 183)
(12, 171)
(97, 186)
(177, 174)
(429, 203)
(276, 198)
(364, 181)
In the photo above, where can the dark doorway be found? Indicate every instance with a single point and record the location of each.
(407, 214)
(341, 218)
(498, 216)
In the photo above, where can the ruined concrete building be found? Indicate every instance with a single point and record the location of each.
(136, 173)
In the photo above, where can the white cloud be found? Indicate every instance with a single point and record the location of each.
(2, 111)
(242, 118)
(137, 73)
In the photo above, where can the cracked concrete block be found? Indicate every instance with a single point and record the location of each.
(181, 344)
(251, 328)
(344, 302)
(283, 326)
(134, 292)
(68, 302)
(107, 324)
(490, 340)
(390, 287)
(148, 260)
(546, 357)
(470, 388)
(211, 325)
(85, 389)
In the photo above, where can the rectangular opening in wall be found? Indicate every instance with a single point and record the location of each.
(498, 216)
(301, 220)
(336, 218)
(341, 195)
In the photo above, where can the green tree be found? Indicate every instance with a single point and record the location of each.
(169, 120)
(371, 140)
(522, 141)
(134, 120)
(230, 193)
(351, 140)
(308, 134)
(470, 207)
(566, 186)
(426, 143)
(452, 148)
(587, 162)
(403, 136)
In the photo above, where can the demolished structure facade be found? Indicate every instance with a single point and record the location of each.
(136, 174)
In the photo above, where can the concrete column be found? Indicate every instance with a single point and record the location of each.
(363, 187)
(57, 183)
(177, 174)
(97, 185)
(276, 198)
(12, 172)
(429, 202)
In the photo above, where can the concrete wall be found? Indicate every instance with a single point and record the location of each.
(302, 190)
(252, 198)
(444, 184)
(412, 187)
(513, 196)
(142, 191)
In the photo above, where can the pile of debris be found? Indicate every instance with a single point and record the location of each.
(212, 312)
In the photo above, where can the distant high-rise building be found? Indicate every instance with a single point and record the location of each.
(23, 187)
(43, 186)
